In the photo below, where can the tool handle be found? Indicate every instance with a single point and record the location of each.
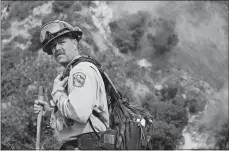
(39, 118)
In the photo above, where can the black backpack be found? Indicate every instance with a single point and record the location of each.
(125, 119)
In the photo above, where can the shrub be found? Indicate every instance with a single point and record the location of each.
(222, 137)
(19, 122)
(61, 6)
(48, 18)
(20, 9)
(35, 41)
(128, 31)
(20, 39)
(77, 7)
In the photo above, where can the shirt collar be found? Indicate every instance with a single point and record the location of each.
(70, 63)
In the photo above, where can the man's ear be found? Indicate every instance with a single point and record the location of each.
(75, 42)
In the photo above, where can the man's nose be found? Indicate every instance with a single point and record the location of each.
(58, 46)
(55, 48)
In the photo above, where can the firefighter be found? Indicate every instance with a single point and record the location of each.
(76, 95)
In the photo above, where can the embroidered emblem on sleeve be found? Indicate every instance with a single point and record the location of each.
(79, 79)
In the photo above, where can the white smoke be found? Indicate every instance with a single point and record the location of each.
(102, 15)
(202, 127)
(202, 29)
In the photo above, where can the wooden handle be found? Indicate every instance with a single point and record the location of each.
(39, 118)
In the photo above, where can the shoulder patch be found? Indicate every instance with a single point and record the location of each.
(79, 79)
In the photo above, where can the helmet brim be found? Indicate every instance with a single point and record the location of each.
(75, 34)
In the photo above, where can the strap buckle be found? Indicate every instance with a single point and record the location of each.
(108, 139)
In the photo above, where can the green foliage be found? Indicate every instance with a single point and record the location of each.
(222, 137)
(137, 31)
(48, 18)
(20, 9)
(165, 135)
(167, 123)
(4, 25)
(20, 39)
(35, 41)
(165, 38)
(19, 122)
(61, 6)
(85, 3)
(128, 31)
(77, 7)
(10, 57)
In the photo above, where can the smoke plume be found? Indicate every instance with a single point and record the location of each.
(190, 35)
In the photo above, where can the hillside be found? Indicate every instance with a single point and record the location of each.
(169, 57)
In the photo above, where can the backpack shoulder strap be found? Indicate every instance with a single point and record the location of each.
(85, 58)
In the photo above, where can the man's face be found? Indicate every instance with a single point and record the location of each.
(64, 49)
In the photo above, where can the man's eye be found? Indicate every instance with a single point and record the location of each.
(52, 46)
(61, 42)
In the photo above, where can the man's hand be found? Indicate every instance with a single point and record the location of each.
(58, 84)
(41, 105)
